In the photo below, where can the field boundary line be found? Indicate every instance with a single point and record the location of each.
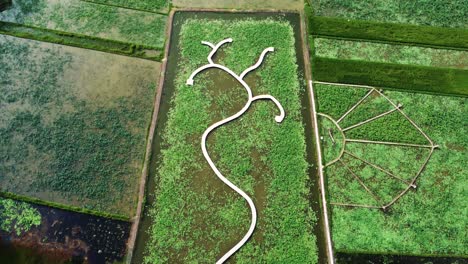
(149, 143)
(331, 259)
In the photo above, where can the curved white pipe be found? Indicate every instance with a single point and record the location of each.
(205, 135)
(260, 60)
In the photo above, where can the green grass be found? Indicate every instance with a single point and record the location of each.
(18, 217)
(396, 76)
(388, 53)
(419, 12)
(146, 5)
(453, 38)
(95, 20)
(196, 217)
(71, 132)
(428, 221)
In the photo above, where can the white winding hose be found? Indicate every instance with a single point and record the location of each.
(278, 119)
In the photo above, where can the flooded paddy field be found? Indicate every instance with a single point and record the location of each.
(90, 19)
(65, 237)
(213, 218)
(73, 125)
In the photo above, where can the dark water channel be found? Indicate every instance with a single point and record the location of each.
(67, 237)
(168, 90)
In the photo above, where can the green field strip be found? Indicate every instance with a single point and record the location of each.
(161, 11)
(435, 37)
(80, 41)
(33, 200)
(439, 13)
(86, 18)
(394, 76)
(390, 53)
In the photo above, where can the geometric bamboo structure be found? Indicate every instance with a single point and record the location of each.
(384, 205)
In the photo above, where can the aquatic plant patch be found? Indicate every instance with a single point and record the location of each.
(146, 5)
(390, 75)
(73, 125)
(454, 38)
(17, 216)
(419, 12)
(390, 53)
(429, 219)
(95, 20)
(197, 218)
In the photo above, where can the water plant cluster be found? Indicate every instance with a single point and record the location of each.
(61, 147)
(196, 217)
(17, 216)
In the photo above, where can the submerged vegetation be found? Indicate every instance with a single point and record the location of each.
(72, 139)
(17, 216)
(196, 217)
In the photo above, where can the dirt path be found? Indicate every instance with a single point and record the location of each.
(308, 76)
(149, 143)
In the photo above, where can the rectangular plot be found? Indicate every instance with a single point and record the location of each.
(85, 18)
(73, 124)
(197, 218)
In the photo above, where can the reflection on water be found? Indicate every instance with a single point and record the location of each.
(66, 237)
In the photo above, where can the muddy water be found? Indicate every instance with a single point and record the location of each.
(168, 91)
(67, 237)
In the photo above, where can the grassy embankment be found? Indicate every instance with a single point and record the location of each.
(197, 218)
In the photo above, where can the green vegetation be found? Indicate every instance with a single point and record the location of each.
(380, 52)
(196, 217)
(332, 141)
(73, 126)
(146, 5)
(455, 38)
(427, 221)
(420, 12)
(76, 40)
(17, 216)
(396, 76)
(95, 20)
(4, 4)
